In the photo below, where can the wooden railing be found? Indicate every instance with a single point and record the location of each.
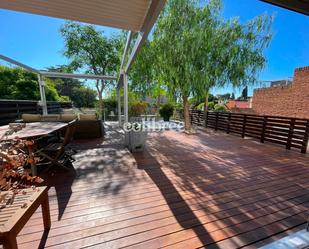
(290, 132)
(11, 110)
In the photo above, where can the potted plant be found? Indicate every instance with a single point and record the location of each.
(166, 111)
(136, 109)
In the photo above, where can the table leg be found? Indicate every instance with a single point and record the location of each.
(9, 242)
(45, 211)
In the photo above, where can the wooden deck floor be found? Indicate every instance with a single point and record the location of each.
(209, 189)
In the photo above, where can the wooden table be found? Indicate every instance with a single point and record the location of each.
(34, 130)
(14, 216)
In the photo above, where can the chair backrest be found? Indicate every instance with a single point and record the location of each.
(68, 136)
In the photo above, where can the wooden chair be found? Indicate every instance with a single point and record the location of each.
(56, 153)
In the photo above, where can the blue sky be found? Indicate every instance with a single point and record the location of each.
(35, 40)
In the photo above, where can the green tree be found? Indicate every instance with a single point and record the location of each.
(83, 97)
(17, 83)
(197, 50)
(89, 50)
(244, 93)
(145, 75)
(74, 89)
(65, 86)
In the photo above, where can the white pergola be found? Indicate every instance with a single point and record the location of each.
(136, 16)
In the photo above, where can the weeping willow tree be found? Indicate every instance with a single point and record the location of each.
(196, 49)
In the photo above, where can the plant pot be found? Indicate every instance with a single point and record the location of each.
(135, 140)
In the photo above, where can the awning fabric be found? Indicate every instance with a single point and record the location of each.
(301, 6)
(122, 14)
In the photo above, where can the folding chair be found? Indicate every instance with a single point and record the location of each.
(56, 153)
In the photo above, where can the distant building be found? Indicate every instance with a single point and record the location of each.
(277, 83)
(288, 98)
(240, 106)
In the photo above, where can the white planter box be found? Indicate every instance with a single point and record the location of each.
(135, 140)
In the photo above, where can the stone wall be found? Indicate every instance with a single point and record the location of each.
(289, 101)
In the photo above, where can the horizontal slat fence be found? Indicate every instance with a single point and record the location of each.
(11, 110)
(290, 132)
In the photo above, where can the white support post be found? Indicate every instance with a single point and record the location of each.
(125, 95)
(43, 95)
(119, 106)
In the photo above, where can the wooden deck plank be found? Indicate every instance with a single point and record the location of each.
(183, 192)
(220, 194)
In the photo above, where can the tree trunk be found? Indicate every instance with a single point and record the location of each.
(186, 113)
(206, 106)
(158, 103)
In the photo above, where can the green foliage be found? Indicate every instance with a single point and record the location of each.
(84, 97)
(110, 105)
(211, 106)
(166, 111)
(200, 107)
(132, 95)
(142, 72)
(219, 108)
(16, 83)
(244, 94)
(137, 108)
(65, 86)
(88, 49)
(196, 49)
(73, 89)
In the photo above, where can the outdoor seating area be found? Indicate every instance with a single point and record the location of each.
(86, 126)
(210, 189)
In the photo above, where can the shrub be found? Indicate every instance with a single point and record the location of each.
(200, 107)
(166, 111)
(137, 108)
(220, 108)
(211, 106)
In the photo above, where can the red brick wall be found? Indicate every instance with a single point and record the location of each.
(289, 101)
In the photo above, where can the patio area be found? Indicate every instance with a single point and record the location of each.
(209, 189)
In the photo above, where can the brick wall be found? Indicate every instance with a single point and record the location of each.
(289, 101)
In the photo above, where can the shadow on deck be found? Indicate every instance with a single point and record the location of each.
(208, 189)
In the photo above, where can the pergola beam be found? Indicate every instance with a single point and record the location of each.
(153, 12)
(42, 73)
(76, 76)
(126, 49)
(19, 64)
(43, 95)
